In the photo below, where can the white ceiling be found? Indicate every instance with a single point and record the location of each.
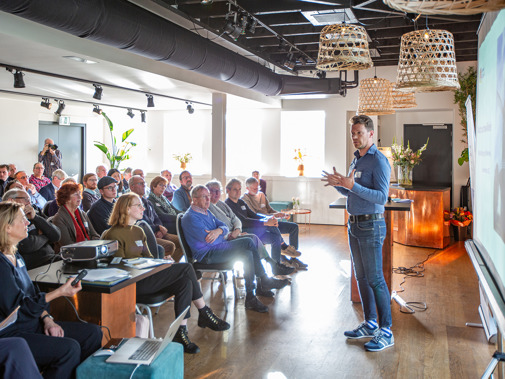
(26, 44)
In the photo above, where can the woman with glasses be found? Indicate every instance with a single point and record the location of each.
(178, 280)
(73, 223)
(114, 173)
(58, 347)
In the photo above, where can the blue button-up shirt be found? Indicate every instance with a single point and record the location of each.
(371, 183)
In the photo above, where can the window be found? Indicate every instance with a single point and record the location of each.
(302, 130)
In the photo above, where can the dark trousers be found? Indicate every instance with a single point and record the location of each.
(242, 249)
(58, 357)
(16, 360)
(178, 280)
(292, 229)
(269, 235)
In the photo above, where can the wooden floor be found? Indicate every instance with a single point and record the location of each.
(302, 335)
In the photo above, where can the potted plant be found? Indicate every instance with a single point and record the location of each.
(459, 218)
(405, 159)
(299, 159)
(468, 84)
(183, 159)
(118, 154)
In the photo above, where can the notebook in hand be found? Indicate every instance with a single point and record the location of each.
(143, 351)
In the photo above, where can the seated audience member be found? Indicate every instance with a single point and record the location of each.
(100, 211)
(73, 223)
(12, 172)
(169, 191)
(182, 196)
(51, 207)
(4, 177)
(50, 157)
(89, 195)
(57, 347)
(35, 197)
(37, 178)
(224, 213)
(266, 230)
(127, 174)
(205, 236)
(16, 360)
(14, 184)
(178, 280)
(114, 173)
(163, 208)
(49, 191)
(36, 248)
(101, 171)
(258, 203)
(140, 172)
(170, 242)
(262, 182)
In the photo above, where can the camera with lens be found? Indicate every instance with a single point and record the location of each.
(54, 147)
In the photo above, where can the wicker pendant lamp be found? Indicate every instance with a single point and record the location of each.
(403, 100)
(448, 7)
(375, 97)
(427, 62)
(343, 47)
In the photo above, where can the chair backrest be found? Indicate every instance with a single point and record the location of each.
(188, 254)
(151, 238)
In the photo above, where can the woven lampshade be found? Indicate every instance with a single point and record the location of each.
(343, 47)
(453, 7)
(427, 62)
(403, 100)
(375, 97)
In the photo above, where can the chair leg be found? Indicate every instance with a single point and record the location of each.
(223, 282)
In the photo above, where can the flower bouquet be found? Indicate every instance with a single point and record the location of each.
(183, 159)
(459, 216)
(296, 203)
(405, 159)
(299, 159)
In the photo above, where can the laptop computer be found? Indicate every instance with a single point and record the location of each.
(143, 351)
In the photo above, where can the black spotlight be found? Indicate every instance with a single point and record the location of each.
(97, 109)
(150, 101)
(61, 106)
(18, 78)
(143, 116)
(189, 107)
(321, 74)
(130, 113)
(45, 103)
(98, 92)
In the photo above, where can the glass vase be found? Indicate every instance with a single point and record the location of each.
(405, 175)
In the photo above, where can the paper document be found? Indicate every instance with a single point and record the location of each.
(141, 263)
(105, 275)
(11, 319)
(397, 200)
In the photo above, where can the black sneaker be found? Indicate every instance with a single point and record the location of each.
(182, 337)
(207, 318)
(264, 293)
(266, 283)
(253, 304)
(280, 269)
(298, 264)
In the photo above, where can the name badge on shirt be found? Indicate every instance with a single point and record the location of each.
(243, 207)
(21, 263)
(262, 205)
(139, 243)
(85, 224)
(158, 204)
(357, 175)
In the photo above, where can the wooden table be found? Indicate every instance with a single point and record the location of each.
(387, 247)
(111, 306)
(305, 212)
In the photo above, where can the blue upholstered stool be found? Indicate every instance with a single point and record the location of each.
(169, 364)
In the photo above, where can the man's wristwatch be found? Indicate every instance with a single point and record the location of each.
(47, 315)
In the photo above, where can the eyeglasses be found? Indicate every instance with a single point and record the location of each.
(162, 186)
(215, 191)
(139, 205)
(39, 168)
(110, 188)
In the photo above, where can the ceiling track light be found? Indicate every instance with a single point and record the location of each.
(61, 107)
(98, 91)
(45, 103)
(150, 101)
(96, 109)
(143, 116)
(130, 113)
(18, 77)
(189, 107)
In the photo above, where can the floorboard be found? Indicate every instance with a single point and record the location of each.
(302, 334)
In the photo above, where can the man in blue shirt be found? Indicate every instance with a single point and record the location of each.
(182, 198)
(366, 188)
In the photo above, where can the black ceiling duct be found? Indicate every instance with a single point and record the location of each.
(123, 25)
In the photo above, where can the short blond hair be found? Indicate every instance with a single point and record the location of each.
(119, 215)
(8, 212)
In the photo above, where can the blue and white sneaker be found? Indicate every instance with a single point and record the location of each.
(362, 331)
(382, 340)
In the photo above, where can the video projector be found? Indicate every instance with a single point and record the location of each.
(88, 250)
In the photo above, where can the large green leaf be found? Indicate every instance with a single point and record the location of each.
(109, 122)
(126, 135)
(102, 147)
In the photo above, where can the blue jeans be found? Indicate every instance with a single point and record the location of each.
(269, 235)
(365, 241)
